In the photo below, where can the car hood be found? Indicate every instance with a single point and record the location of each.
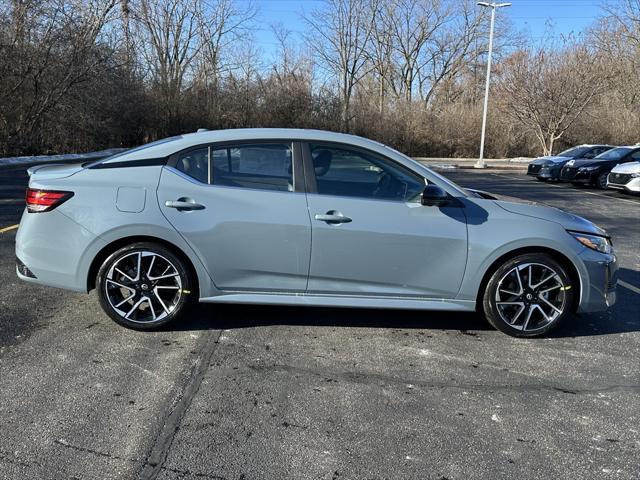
(550, 159)
(630, 167)
(531, 209)
(587, 162)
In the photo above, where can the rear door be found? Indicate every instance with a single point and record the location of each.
(370, 233)
(242, 208)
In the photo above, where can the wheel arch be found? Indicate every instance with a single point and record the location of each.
(115, 245)
(559, 257)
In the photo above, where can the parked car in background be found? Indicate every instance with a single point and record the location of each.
(595, 171)
(625, 176)
(302, 217)
(548, 168)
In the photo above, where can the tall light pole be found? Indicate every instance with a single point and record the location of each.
(493, 6)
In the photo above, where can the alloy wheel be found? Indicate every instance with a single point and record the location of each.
(530, 296)
(143, 287)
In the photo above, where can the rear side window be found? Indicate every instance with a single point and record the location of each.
(195, 163)
(261, 166)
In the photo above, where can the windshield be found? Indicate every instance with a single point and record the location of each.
(614, 154)
(574, 152)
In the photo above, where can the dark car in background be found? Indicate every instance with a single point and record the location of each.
(549, 167)
(594, 171)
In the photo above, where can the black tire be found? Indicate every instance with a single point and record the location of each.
(601, 181)
(113, 285)
(541, 179)
(496, 314)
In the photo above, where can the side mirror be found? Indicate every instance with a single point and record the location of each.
(434, 196)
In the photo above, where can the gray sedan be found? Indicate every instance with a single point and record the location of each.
(302, 217)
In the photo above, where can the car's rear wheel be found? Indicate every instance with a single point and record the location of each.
(143, 286)
(528, 296)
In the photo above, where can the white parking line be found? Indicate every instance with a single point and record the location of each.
(628, 286)
(569, 190)
(7, 229)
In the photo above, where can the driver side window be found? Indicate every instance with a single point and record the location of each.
(346, 172)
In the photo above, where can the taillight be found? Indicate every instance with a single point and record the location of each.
(45, 200)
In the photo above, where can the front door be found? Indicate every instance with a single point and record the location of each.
(372, 236)
(238, 208)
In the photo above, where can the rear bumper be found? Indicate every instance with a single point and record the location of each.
(599, 281)
(55, 250)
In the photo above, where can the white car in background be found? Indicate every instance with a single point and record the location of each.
(625, 176)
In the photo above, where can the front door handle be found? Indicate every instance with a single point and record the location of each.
(183, 204)
(332, 217)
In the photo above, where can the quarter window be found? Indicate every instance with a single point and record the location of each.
(261, 166)
(195, 163)
(352, 173)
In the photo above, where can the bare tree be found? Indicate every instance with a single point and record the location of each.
(380, 54)
(413, 23)
(223, 23)
(546, 91)
(340, 36)
(171, 35)
(451, 48)
(51, 49)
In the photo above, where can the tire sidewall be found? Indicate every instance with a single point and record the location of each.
(491, 310)
(187, 285)
(602, 185)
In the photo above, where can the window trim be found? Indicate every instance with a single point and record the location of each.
(309, 171)
(299, 184)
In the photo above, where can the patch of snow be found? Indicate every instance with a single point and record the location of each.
(68, 157)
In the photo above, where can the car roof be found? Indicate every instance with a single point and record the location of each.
(168, 146)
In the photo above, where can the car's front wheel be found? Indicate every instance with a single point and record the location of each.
(528, 296)
(601, 181)
(143, 286)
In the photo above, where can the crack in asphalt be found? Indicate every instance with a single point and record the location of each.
(110, 456)
(367, 378)
(154, 462)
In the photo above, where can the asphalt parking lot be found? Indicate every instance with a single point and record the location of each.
(242, 392)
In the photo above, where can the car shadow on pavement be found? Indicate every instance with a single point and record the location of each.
(227, 316)
(621, 318)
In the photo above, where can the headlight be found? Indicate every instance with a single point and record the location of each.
(635, 175)
(594, 242)
(588, 169)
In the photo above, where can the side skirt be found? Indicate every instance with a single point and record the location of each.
(343, 301)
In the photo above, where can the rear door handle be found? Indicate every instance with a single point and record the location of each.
(332, 217)
(183, 204)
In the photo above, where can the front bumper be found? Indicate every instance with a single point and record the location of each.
(632, 185)
(585, 177)
(549, 173)
(533, 169)
(599, 281)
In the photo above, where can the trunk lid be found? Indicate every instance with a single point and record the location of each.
(53, 171)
